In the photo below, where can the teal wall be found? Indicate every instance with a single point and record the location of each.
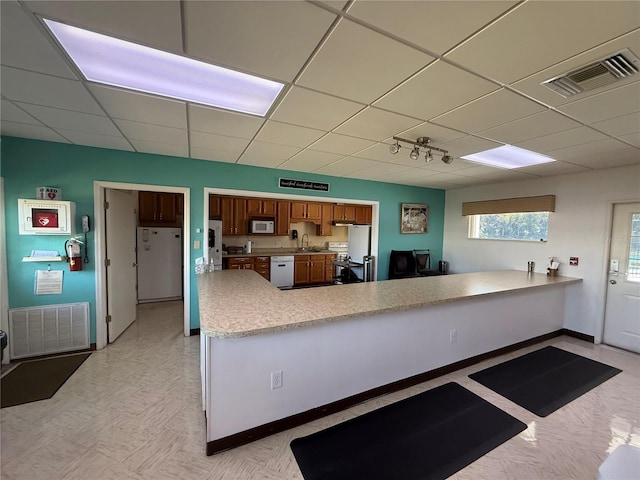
(27, 164)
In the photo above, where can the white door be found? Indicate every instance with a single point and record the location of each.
(120, 229)
(622, 312)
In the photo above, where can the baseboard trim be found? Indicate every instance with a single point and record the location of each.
(194, 331)
(578, 335)
(247, 436)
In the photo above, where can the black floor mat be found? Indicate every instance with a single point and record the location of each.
(428, 436)
(545, 380)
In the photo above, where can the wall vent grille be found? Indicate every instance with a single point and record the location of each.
(48, 329)
(595, 75)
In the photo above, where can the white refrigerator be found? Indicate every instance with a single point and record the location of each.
(359, 247)
(159, 253)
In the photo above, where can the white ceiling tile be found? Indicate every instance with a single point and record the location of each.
(23, 45)
(286, 134)
(263, 154)
(605, 159)
(349, 64)
(466, 145)
(609, 147)
(623, 125)
(139, 107)
(9, 112)
(379, 171)
(379, 152)
(533, 84)
(151, 23)
(632, 138)
(377, 125)
(437, 134)
(160, 148)
(272, 39)
(214, 155)
(569, 28)
(506, 175)
(533, 126)
(610, 104)
(309, 161)
(25, 130)
(489, 111)
(345, 166)
(434, 25)
(437, 89)
(340, 144)
(477, 169)
(227, 147)
(68, 120)
(553, 168)
(563, 139)
(313, 109)
(152, 133)
(210, 120)
(96, 140)
(40, 89)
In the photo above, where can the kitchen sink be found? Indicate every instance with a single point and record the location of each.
(309, 249)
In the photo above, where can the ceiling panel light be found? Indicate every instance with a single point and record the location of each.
(115, 62)
(508, 156)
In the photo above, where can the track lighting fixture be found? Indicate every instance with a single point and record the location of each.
(428, 157)
(421, 142)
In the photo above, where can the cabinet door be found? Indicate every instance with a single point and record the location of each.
(226, 208)
(363, 215)
(298, 210)
(301, 270)
(269, 208)
(166, 203)
(314, 211)
(147, 207)
(338, 212)
(316, 269)
(350, 212)
(254, 206)
(324, 229)
(215, 211)
(282, 221)
(241, 219)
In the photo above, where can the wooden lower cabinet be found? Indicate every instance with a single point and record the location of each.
(262, 265)
(309, 269)
(240, 263)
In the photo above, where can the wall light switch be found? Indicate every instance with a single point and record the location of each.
(196, 244)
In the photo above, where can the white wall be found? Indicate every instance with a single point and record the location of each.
(331, 361)
(580, 227)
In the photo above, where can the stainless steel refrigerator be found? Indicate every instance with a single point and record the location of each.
(159, 258)
(359, 249)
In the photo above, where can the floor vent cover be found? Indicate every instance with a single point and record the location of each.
(598, 74)
(48, 329)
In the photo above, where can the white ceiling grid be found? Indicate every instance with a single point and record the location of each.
(466, 74)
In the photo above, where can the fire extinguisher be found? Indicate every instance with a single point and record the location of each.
(72, 248)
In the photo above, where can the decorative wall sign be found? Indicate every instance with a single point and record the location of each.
(413, 218)
(303, 184)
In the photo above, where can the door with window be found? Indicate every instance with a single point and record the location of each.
(622, 311)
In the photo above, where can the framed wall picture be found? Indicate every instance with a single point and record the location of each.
(414, 217)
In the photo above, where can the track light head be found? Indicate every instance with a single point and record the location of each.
(415, 153)
(447, 159)
(394, 148)
(428, 157)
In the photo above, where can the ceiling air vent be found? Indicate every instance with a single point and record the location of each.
(598, 74)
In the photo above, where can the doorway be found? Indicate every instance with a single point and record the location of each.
(622, 309)
(100, 252)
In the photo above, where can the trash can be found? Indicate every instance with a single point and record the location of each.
(443, 267)
(3, 343)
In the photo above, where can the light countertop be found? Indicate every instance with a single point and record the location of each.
(240, 303)
(276, 252)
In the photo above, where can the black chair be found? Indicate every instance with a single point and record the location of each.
(423, 263)
(402, 264)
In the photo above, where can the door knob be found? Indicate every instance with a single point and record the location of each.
(612, 282)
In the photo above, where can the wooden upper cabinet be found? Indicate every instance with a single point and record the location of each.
(215, 210)
(314, 211)
(324, 229)
(157, 208)
(344, 213)
(234, 216)
(363, 214)
(305, 211)
(263, 207)
(282, 218)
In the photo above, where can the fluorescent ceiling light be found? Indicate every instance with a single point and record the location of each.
(508, 156)
(124, 64)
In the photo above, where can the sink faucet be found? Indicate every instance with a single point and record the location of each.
(307, 245)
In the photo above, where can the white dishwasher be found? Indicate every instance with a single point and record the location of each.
(282, 271)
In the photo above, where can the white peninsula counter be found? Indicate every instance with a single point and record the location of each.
(340, 344)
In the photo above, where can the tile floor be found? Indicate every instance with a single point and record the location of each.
(132, 411)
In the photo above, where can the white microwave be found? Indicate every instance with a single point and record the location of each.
(262, 226)
(49, 217)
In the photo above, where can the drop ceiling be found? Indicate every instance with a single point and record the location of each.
(467, 74)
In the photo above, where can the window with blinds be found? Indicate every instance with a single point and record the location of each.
(524, 218)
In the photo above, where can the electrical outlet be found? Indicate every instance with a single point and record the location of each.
(276, 379)
(453, 336)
